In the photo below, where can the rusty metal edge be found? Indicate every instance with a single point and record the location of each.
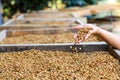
(114, 52)
(85, 47)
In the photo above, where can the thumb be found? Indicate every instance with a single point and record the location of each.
(87, 35)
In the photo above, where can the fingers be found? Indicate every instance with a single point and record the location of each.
(86, 37)
(83, 26)
(77, 41)
(75, 36)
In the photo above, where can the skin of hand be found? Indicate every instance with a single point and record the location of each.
(93, 30)
(107, 36)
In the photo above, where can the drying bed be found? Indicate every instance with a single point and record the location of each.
(27, 27)
(42, 36)
(45, 15)
(93, 61)
(44, 21)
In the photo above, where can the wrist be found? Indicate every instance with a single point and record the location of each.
(98, 31)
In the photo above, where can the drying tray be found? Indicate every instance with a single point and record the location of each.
(65, 10)
(45, 15)
(27, 27)
(44, 21)
(18, 16)
(85, 47)
(69, 9)
(45, 31)
(48, 31)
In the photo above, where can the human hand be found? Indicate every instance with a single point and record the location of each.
(90, 28)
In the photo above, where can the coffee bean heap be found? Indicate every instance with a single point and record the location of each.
(42, 38)
(82, 32)
(58, 65)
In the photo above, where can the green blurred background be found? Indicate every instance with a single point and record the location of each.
(11, 7)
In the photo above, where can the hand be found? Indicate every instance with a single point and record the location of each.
(93, 30)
